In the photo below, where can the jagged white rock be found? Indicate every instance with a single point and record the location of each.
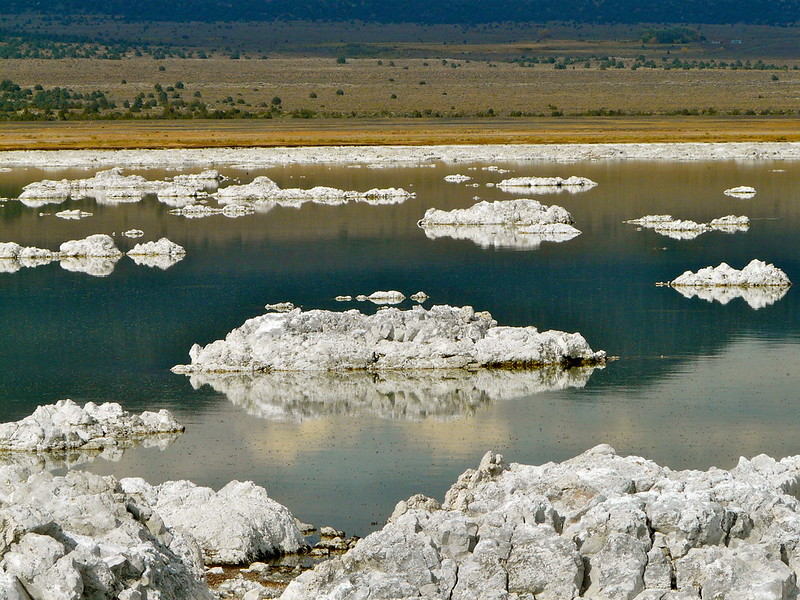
(97, 245)
(756, 297)
(418, 395)
(238, 524)
(419, 297)
(25, 254)
(73, 214)
(595, 526)
(440, 338)
(543, 185)
(81, 536)
(742, 191)
(678, 229)
(264, 190)
(756, 274)
(67, 426)
(162, 247)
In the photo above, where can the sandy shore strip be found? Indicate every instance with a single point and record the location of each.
(387, 156)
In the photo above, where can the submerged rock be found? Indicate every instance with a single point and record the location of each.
(417, 395)
(756, 274)
(546, 184)
(595, 526)
(237, 525)
(65, 426)
(440, 338)
(81, 536)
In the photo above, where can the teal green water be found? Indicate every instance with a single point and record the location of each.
(696, 384)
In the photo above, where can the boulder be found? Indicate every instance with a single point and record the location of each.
(97, 245)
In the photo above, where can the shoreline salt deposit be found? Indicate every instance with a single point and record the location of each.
(443, 337)
(595, 526)
(380, 156)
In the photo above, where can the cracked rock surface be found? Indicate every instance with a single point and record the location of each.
(443, 337)
(595, 526)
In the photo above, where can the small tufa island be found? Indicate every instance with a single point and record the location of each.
(444, 337)
(756, 274)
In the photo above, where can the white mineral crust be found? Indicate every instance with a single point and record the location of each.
(66, 426)
(238, 524)
(417, 396)
(440, 338)
(163, 247)
(756, 274)
(742, 191)
(597, 526)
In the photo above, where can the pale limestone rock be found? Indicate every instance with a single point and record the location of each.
(756, 274)
(742, 191)
(133, 233)
(457, 178)
(73, 214)
(66, 426)
(162, 247)
(443, 337)
(97, 245)
(239, 524)
(546, 184)
(390, 297)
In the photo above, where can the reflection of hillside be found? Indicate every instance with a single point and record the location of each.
(71, 458)
(294, 396)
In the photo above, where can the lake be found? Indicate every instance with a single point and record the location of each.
(696, 383)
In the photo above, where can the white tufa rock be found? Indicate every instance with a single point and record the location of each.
(678, 229)
(65, 426)
(756, 274)
(457, 178)
(522, 223)
(742, 191)
(81, 536)
(73, 214)
(543, 185)
(420, 297)
(133, 233)
(443, 337)
(595, 526)
(97, 245)
(238, 524)
(163, 247)
(14, 257)
(343, 298)
(390, 297)
(280, 306)
(264, 190)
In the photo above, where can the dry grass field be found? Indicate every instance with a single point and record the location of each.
(363, 87)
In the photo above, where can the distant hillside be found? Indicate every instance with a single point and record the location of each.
(427, 11)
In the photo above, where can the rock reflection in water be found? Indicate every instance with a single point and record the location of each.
(417, 395)
(96, 266)
(498, 236)
(756, 297)
(49, 461)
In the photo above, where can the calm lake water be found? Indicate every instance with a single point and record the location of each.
(696, 384)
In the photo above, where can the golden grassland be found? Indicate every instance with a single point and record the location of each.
(323, 132)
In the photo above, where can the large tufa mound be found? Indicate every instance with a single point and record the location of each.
(596, 526)
(756, 274)
(65, 426)
(443, 337)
